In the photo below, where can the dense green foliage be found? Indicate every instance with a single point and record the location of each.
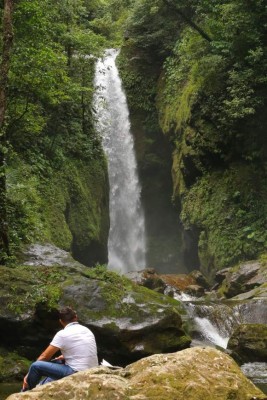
(210, 88)
(51, 147)
(195, 70)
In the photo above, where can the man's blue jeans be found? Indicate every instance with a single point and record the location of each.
(52, 370)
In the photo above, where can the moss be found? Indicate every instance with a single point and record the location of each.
(25, 286)
(12, 366)
(229, 209)
(263, 259)
(180, 82)
(68, 208)
(55, 198)
(124, 299)
(139, 79)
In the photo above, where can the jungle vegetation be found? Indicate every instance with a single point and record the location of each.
(198, 70)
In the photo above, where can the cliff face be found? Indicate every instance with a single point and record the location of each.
(76, 209)
(154, 157)
(208, 96)
(68, 207)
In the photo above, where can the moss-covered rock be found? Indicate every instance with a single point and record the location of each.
(214, 115)
(129, 321)
(247, 278)
(68, 207)
(248, 343)
(76, 211)
(192, 374)
(229, 211)
(12, 366)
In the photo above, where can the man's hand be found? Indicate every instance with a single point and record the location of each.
(60, 358)
(25, 383)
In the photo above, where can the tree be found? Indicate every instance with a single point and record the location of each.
(4, 69)
(179, 11)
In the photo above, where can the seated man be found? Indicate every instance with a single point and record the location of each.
(77, 345)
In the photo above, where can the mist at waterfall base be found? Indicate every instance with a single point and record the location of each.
(212, 323)
(126, 243)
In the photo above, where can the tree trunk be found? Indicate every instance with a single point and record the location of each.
(188, 20)
(4, 69)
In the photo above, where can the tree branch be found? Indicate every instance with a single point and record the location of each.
(188, 20)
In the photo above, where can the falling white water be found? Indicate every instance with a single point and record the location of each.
(126, 243)
(211, 333)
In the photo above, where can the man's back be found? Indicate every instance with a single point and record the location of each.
(78, 346)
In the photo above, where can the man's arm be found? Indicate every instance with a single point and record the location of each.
(48, 353)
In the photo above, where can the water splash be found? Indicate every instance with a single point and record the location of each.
(126, 243)
(256, 371)
(212, 323)
(211, 333)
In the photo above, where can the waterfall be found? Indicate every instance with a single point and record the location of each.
(214, 322)
(126, 243)
(210, 323)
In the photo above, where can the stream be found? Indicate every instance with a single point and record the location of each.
(212, 324)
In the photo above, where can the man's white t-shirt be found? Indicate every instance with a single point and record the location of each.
(78, 346)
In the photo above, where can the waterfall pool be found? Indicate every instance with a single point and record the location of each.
(257, 372)
(7, 389)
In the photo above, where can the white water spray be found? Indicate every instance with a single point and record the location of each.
(211, 333)
(126, 243)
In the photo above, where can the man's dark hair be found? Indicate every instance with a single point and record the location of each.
(67, 314)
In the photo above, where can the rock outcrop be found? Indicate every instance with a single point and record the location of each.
(12, 366)
(250, 277)
(194, 283)
(192, 374)
(148, 278)
(248, 343)
(129, 321)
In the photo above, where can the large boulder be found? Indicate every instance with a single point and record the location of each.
(148, 278)
(192, 374)
(12, 366)
(193, 284)
(248, 343)
(242, 278)
(129, 321)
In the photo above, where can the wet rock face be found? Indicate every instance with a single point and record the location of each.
(129, 321)
(191, 374)
(48, 255)
(242, 278)
(149, 279)
(193, 284)
(248, 343)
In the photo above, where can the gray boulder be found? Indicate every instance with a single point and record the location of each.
(243, 278)
(248, 343)
(129, 321)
